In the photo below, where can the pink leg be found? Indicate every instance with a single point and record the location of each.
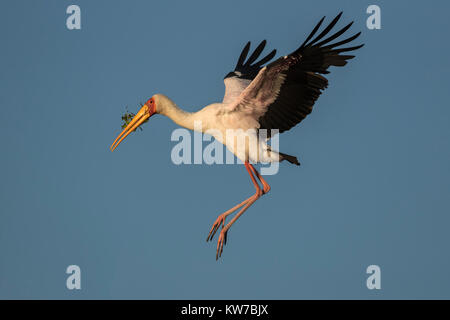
(223, 234)
(266, 187)
(221, 219)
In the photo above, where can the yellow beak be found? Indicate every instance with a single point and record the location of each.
(138, 119)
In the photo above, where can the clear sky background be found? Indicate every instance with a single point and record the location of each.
(373, 187)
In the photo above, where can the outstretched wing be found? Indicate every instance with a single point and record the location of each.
(245, 71)
(284, 92)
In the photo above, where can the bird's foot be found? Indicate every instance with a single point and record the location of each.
(221, 242)
(219, 221)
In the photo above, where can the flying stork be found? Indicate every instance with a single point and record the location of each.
(276, 96)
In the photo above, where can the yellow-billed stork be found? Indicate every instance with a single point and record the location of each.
(276, 96)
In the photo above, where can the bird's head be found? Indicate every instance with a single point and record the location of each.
(147, 110)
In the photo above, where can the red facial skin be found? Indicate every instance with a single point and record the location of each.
(151, 104)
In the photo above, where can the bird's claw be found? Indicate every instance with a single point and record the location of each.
(221, 242)
(219, 221)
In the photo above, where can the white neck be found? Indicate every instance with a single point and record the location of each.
(179, 116)
(168, 108)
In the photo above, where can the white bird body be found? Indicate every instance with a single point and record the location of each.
(242, 138)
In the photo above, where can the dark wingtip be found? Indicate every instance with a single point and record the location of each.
(243, 55)
(266, 58)
(313, 32)
(256, 53)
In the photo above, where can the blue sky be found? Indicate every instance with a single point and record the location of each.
(372, 189)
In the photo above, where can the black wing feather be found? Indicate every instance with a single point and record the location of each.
(303, 81)
(250, 69)
(255, 53)
(265, 59)
(326, 30)
(334, 36)
(243, 55)
(313, 32)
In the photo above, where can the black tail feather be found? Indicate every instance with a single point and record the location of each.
(289, 158)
